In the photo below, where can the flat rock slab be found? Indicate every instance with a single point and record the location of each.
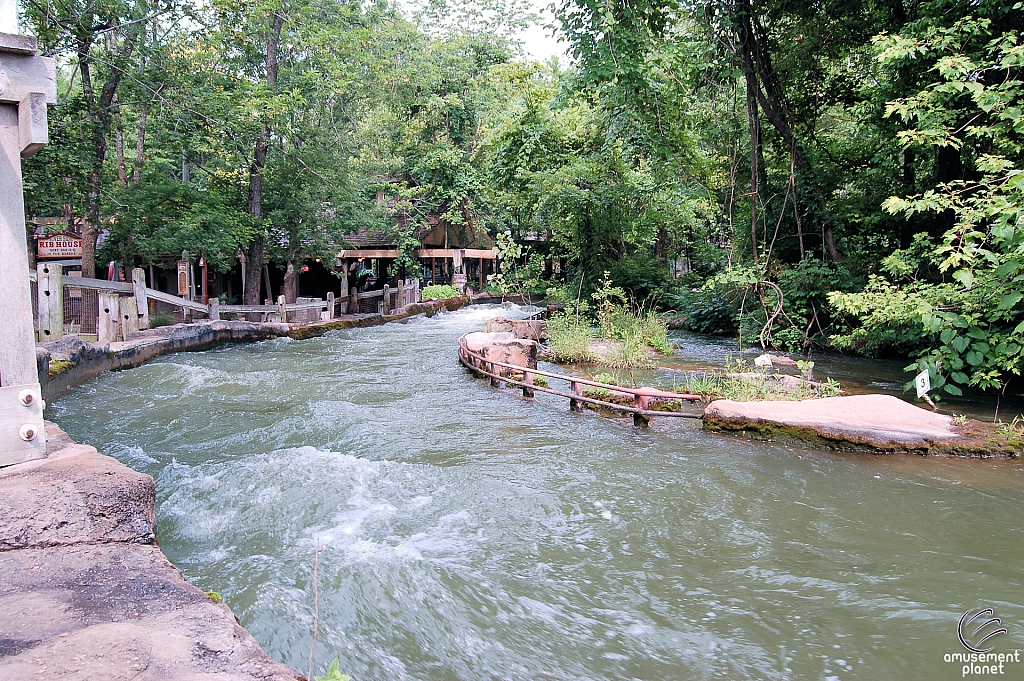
(85, 592)
(117, 611)
(878, 422)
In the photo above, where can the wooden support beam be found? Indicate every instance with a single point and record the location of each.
(141, 299)
(128, 316)
(106, 321)
(25, 74)
(50, 301)
(577, 389)
(17, 336)
(32, 124)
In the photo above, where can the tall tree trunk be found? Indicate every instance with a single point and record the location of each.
(100, 110)
(291, 283)
(254, 252)
(253, 273)
(122, 171)
(754, 124)
(772, 101)
(140, 145)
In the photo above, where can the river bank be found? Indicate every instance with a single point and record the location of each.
(69, 362)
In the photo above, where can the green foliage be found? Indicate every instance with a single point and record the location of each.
(622, 320)
(716, 386)
(706, 310)
(972, 324)
(58, 367)
(161, 319)
(440, 292)
(214, 596)
(333, 673)
(568, 337)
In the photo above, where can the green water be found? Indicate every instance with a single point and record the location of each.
(469, 534)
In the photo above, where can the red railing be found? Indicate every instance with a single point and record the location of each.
(641, 396)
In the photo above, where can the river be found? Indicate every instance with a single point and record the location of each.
(466, 533)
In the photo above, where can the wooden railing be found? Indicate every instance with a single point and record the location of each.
(641, 397)
(117, 308)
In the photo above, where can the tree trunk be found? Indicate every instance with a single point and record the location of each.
(100, 110)
(754, 124)
(756, 62)
(254, 252)
(291, 283)
(253, 273)
(122, 171)
(140, 146)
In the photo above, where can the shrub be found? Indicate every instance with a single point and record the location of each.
(161, 319)
(568, 337)
(440, 292)
(707, 311)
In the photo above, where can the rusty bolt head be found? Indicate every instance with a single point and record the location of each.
(28, 397)
(28, 432)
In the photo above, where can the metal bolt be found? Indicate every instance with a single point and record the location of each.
(27, 397)
(28, 432)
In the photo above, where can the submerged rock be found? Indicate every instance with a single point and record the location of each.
(881, 423)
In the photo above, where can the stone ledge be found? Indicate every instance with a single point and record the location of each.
(74, 496)
(86, 593)
(117, 611)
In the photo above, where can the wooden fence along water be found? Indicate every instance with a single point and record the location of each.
(641, 397)
(111, 310)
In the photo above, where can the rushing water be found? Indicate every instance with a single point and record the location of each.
(469, 534)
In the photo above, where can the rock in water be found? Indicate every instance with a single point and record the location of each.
(503, 347)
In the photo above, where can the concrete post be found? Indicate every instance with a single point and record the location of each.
(27, 85)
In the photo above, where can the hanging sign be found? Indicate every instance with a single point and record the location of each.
(183, 277)
(923, 383)
(59, 246)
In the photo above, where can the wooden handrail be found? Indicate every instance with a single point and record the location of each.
(645, 392)
(641, 414)
(172, 300)
(98, 284)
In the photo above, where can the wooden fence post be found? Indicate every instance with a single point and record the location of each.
(128, 316)
(141, 300)
(330, 305)
(282, 310)
(577, 389)
(50, 301)
(214, 309)
(106, 322)
(387, 300)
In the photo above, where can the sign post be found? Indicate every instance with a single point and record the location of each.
(28, 83)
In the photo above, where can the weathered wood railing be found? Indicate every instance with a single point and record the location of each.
(641, 396)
